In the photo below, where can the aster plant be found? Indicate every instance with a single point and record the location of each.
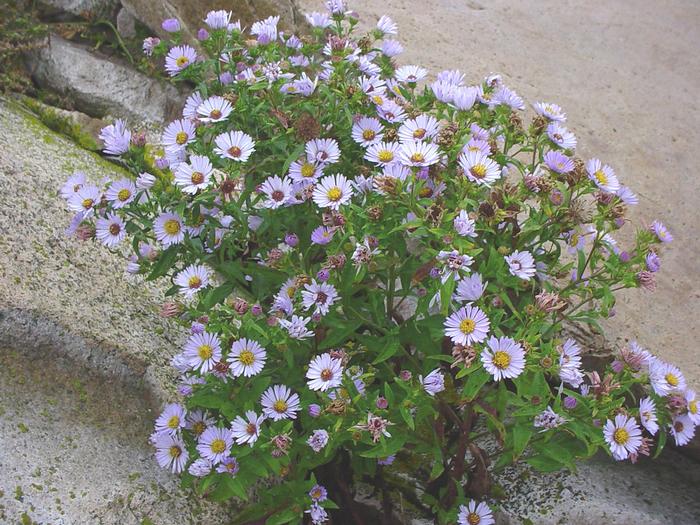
(376, 268)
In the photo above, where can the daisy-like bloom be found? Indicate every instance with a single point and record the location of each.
(192, 279)
(623, 435)
(467, 325)
(145, 181)
(195, 175)
(418, 153)
(321, 296)
(463, 225)
(392, 48)
(561, 136)
(171, 453)
(316, 19)
(661, 232)
(691, 402)
(228, 466)
(304, 171)
(278, 190)
(475, 514)
(171, 420)
(178, 134)
(214, 109)
(202, 351)
(297, 327)
(410, 74)
(570, 363)
(318, 514)
(602, 175)
(215, 444)
(120, 193)
(647, 415)
(504, 358)
(322, 235)
(627, 196)
(200, 467)
(73, 184)
(558, 162)
(521, 264)
(149, 44)
(323, 151)
(279, 402)
(549, 419)
(391, 112)
(247, 430)
(234, 145)
(422, 127)
(318, 493)
(463, 97)
(198, 421)
(507, 97)
(178, 58)
(169, 229)
(682, 429)
(367, 131)
(266, 30)
(324, 372)
(191, 104)
(110, 230)
(318, 440)
(332, 192)
(433, 383)
(247, 358)
(470, 288)
(387, 26)
(665, 378)
(84, 200)
(219, 19)
(479, 168)
(550, 111)
(116, 138)
(383, 153)
(454, 262)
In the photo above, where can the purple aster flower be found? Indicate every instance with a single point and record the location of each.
(317, 513)
(332, 192)
(470, 288)
(682, 429)
(202, 34)
(192, 279)
(467, 325)
(521, 264)
(316, 19)
(318, 440)
(120, 193)
(228, 466)
(149, 44)
(627, 196)
(171, 25)
(116, 138)
(653, 262)
(265, 30)
(324, 372)
(386, 461)
(279, 402)
(320, 296)
(558, 162)
(247, 358)
(110, 230)
(623, 435)
(318, 493)
(202, 351)
(561, 136)
(247, 430)
(296, 327)
(433, 383)
(570, 363)
(479, 168)
(200, 467)
(475, 513)
(171, 452)
(661, 232)
(603, 176)
(549, 419)
(219, 19)
(171, 420)
(647, 415)
(418, 154)
(391, 48)
(570, 402)
(234, 145)
(503, 358)
(550, 111)
(291, 240)
(179, 58)
(323, 151)
(215, 444)
(214, 109)
(464, 225)
(314, 410)
(169, 229)
(178, 134)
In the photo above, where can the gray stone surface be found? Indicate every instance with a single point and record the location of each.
(101, 86)
(79, 8)
(126, 23)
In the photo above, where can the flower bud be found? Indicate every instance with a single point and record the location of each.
(382, 403)
(314, 410)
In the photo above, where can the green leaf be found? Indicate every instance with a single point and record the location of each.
(407, 417)
(521, 436)
(474, 383)
(391, 346)
(216, 295)
(389, 446)
(164, 264)
(285, 516)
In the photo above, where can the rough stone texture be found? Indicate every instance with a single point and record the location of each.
(126, 23)
(604, 63)
(191, 14)
(101, 86)
(78, 8)
(83, 355)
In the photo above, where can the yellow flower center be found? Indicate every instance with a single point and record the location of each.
(621, 436)
(205, 352)
(334, 194)
(467, 326)
(473, 518)
(693, 407)
(501, 359)
(378, 99)
(368, 134)
(425, 191)
(671, 379)
(308, 170)
(385, 155)
(171, 227)
(194, 282)
(88, 203)
(199, 427)
(182, 61)
(123, 194)
(601, 177)
(181, 138)
(218, 446)
(247, 357)
(174, 422)
(573, 241)
(175, 451)
(280, 406)
(419, 133)
(478, 171)
(417, 157)
(197, 177)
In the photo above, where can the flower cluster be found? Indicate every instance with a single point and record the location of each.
(375, 266)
